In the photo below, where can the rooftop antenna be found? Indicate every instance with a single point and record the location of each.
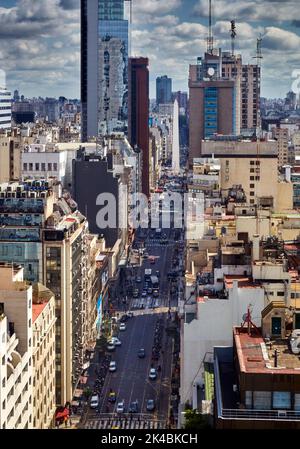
(210, 39)
(259, 55)
(233, 36)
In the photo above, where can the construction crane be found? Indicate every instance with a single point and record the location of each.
(210, 39)
(233, 36)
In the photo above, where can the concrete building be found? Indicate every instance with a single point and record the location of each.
(175, 140)
(214, 105)
(250, 81)
(100, 20)
(265, 376)
(163, 90)
(5, 104)
(16, 349)
(138, 117)
(43, 355)
(281, 135)
(253, 165)
(10, 158)
(44, 232)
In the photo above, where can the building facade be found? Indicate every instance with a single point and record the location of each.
(138, 119)
(104, 38)
(5, 107)
(163, 90)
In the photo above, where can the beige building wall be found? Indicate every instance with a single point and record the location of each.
(43, 317)
(282, 136)
(10, 159)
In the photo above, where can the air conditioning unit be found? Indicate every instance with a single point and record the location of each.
(282, 413)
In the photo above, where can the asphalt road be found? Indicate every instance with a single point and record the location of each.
(131, 380)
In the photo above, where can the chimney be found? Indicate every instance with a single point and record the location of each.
(255, 248)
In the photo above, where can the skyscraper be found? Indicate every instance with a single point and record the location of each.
(249, 76)
(138, 120)
(175, 139)
(104, 61)
(214, 103)
(163, 90)
(5, 103)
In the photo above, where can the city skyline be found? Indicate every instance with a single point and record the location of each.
(41, 41)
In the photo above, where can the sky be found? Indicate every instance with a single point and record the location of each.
(40, 41)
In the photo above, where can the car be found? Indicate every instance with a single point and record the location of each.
(138, 280)
(135, 293)
(122, 327)
(141, 353)
(94, 402)
(157, 273)
(112, 397)
(149, 291)
(112, 366)
(121, 407)
(116, 341)
(124, 318)
(152, 374)
(134, 407)
(110, 346)
(150, 405)
(155, 293)
(144, 293)
(129, 314)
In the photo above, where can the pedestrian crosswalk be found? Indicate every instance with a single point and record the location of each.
(124, 424)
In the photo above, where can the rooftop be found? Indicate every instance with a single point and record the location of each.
(257, 357)
(243, 281)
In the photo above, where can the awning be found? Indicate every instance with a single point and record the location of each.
(78, 393)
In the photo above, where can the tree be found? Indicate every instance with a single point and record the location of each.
(195, 420)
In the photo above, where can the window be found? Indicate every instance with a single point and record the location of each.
(252, 186)
(251, 193)
(37, 167)
(251, 178)
(252, 162)
(55, 167)
(30, 167)
(25, 166)
(251, 170)
(3, 360)
(282, 399)
(43, 166)
(251, 201)
(280, 293)
(49, 167)
(257, 178)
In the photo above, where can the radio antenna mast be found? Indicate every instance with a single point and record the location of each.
(210, 39)
(233, 36)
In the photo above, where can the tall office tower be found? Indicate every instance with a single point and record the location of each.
(175, 139)
(214, 103)
(104, 62)
(163, 90)
(16, 95)
(249, 76)
(5, 103)
(138, 113)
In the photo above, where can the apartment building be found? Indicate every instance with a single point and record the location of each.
(281, 135)
(16, 349)
(43, 355)
(10, 158)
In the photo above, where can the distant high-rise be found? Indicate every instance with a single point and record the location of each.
(214, 103)
(163, 90)
(138, 117)
(16, 95)
(175, 139)
(104, 60)
(249, 76)
(5, 104)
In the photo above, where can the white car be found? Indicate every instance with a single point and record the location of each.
(121, 407)
(115, 341)
(94, 401)
(122, 327)
(152, 374)
(112, 367)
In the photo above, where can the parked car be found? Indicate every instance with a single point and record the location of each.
(112, 366)
(150, 405)
(122, 327)
(138, 279)
(121, 407)
(116, 341)
(141, 353)
(94, 402)
(152, 374)
(110, 346)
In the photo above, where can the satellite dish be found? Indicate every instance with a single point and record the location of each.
(245, 316)
(210, 71)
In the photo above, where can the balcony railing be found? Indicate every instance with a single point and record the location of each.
(271, 415)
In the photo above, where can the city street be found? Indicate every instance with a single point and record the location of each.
(130, 381)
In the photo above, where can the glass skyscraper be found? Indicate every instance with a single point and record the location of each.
(104, 66)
